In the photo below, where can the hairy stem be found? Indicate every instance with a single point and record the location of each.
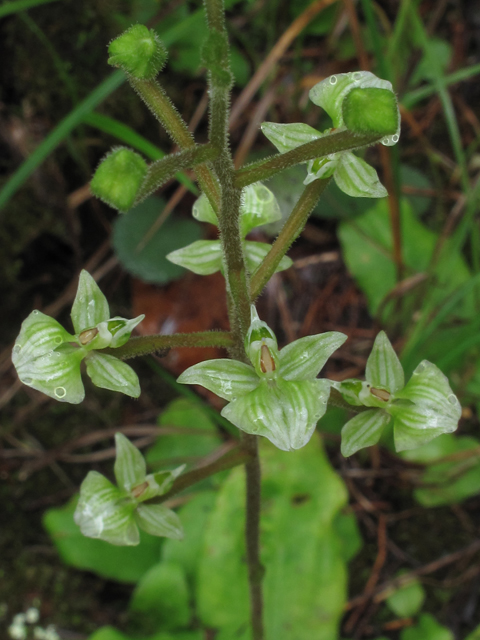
(145, 345)
(331, 143)
(290, 231)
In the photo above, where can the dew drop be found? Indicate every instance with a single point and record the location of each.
(58, 340)
(26, 380)
(357, 75)
(333, 80)
(17, 348)
(421, 367)
(60, 392)
(395, 138)
(452, 399)
(35, 312)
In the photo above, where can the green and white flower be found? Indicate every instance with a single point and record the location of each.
(280, 396)
(115, 513)
(48, 358)
(357, 101)
(259, 206)
(421, 410)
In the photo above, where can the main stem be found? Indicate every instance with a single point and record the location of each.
(238, 302)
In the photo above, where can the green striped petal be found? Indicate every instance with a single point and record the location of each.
(364, 430)
(415, 425)
(304, 358)
(108, 372)
(229, 379)
(429, 388)
(383, 366)
(255, 253)
(285, 412)
(121, 329)
(90, 306)
(330, 93)
(38, 335)
(203, 211)
(130, 467)
(102, 512)
(56, 374)
(357, 178)
(158, 520)
(289, 136)
(322, 167)
(259, 206)
(202, 257)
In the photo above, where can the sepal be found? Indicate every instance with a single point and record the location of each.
(357, 178)
(286, 137)
(256, 252)
(90, 306)
(108, 372)
(259, 206)
(364, 430)
(158, 520)
(130, 467)
(383, 369)
(39, 334)
(305, 357)
(203, 257)
(415, 425)
(228, 379)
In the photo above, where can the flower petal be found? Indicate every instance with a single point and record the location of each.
(383, 366)
(363, 430)
(38, 335)
(130, 467)
(90, 305)
(103, 513)
(158, 520)
(255, 253)
(203, 211)
(357, 178)
(289, 136)
(304, 358)
(415, 425)
(259, 206)
(285, 412)
(202, 257)
(229, 379)
(108, 372)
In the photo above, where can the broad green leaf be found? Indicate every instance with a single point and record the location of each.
(38, 335)
(304, 358)
(108, 633)
(255, 253)
(439, 448)
(286, 412)
(124, 564)
(364, 430)
(158, 520)
(202, 257)
(259, 206)
(357, 178)
(414, 425)
(408, 600)
(289, 136)
(108, 372)
(383, 366)
(229, 379)
(130, 468)
(348, 535)
(142, 247)
(427, 629)
(90, 305)
(429, 388)
(56, 374)
(203, 211)
(102, 512)
(161, 599)
(475, 635)
(189, 414)
(305, 580)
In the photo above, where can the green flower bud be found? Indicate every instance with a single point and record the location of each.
(139, 52)
(371, 110)
(119, 178)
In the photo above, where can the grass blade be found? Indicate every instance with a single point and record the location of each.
(20, 5)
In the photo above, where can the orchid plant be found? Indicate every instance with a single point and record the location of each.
(270, 392)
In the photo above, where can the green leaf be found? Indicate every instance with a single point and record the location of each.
(102, 512)
(289, 136)
(202, 257)
(383, 368)
(90, 306)
(108, 372)
(130, 468)
(229, 379)
(304, 358)
(38, 335)
(158, 520)
(357, 178)
(160, 601)
(255, 253)
(364, 430)
(124, 564)
(348, 535)
(285, 412)
(408, 600)
(305, 580)
(119, 177)
(142, 248)
(138, 52)
(427, 629)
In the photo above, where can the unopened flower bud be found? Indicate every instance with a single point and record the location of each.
(138, 52)
(371, 110)
(118, 178)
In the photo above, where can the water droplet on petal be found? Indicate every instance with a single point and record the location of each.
(357, 75)
(35, 312)
(452, 399)
(58, 340)
(26, 380)
(421, 367)
(333, 80)
(60, 392)
(17, 348)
